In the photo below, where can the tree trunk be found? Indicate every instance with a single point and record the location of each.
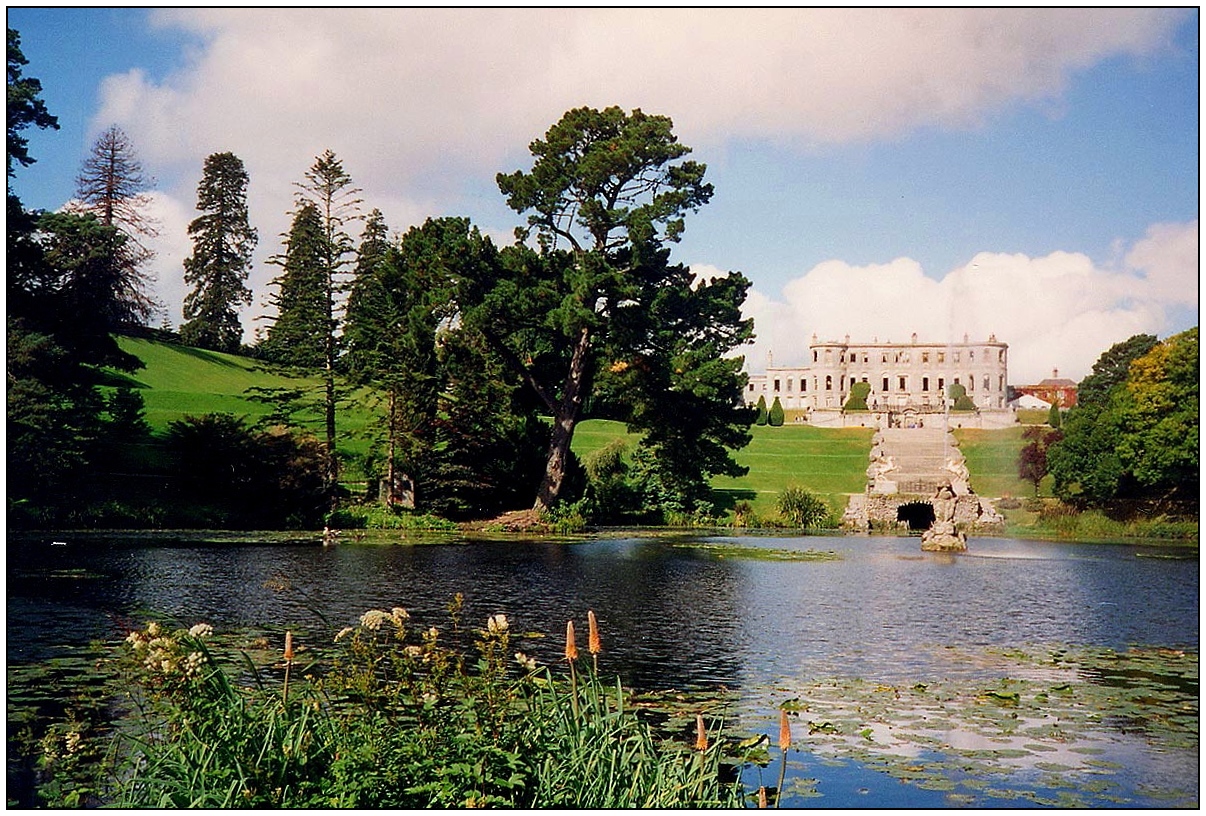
(332, 475)
(564, 421)
(390, 476)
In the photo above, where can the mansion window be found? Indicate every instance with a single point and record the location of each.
(925, 383)
(942, 356)
(985, 382)
(776, 385)
(901, 382)
(789, 385)
(885, 388)
(956, 358)
(828, 382)
(925, 356)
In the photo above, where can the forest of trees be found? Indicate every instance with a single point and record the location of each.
(480, 360)
(1132, 440)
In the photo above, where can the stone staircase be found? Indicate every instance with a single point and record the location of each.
(919, 455)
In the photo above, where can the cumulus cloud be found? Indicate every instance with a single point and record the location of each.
(425, 105)
(1057, 311)
(411, 88)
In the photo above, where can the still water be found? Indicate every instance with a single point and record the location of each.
(672, 616)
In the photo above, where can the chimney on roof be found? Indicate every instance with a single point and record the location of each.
(1055, 373)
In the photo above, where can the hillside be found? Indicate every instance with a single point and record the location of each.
(178, 380)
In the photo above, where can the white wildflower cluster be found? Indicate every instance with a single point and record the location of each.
(528, 663)
(373, 618)
(344, 632)
(497, 624)
(163, 653)
(201, 630)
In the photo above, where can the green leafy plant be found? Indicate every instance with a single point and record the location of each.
(802, 509)
(395, 714)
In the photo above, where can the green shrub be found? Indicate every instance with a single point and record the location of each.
(774, 416)
(958, 393)
(379, 517)
(802, 509)
(857, 401)
(761, 417)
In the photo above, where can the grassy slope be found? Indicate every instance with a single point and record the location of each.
(826, 461)
(178, 380)
(992, 461)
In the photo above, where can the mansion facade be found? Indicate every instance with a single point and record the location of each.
(907, 381)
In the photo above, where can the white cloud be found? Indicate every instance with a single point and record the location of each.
(423, 104)
(405, 89)
(1058, 311)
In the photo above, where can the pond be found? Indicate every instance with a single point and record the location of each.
(1018, 673)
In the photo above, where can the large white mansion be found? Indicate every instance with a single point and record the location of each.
(908, 382)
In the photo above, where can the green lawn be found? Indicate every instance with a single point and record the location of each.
(827, 461)
(178, 380)
(830, 462)
(992, 461)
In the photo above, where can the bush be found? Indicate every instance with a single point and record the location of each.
(774, 417)
(761, 417)
(265, 479)
(802, 509)
(857, 400)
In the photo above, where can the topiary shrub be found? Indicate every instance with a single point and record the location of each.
(761, 418)
(774, 417)
(962, 401)
(857, 401)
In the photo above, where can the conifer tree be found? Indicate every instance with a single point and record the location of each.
(297, 336)
(761, 418)
(223, 241)
(390, 340)
(774, 417)
(112, 186)
(309, 302)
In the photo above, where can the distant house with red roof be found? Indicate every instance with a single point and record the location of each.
(1051, 390)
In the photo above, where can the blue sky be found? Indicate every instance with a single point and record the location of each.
(1031, 174)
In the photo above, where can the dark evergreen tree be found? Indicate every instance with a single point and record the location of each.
(390, 338)
(298, 334)
(605, 193)
(329, 188)
(223, 241)
(1053, 416)
(775, 417)
(25, 106)
(30, 284)
(760, 418)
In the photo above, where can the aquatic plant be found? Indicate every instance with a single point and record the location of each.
(392, 714)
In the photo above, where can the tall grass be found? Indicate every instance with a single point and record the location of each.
(393, 715)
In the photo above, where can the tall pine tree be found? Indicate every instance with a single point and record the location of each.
(222, 245)
(310, 303)
(389, 336)
(223, 241)
(297, 336)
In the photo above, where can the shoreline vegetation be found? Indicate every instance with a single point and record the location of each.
(819, 468)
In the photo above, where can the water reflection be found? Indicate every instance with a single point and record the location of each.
(671, 616)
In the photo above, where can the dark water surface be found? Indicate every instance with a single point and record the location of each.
(671, 616)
